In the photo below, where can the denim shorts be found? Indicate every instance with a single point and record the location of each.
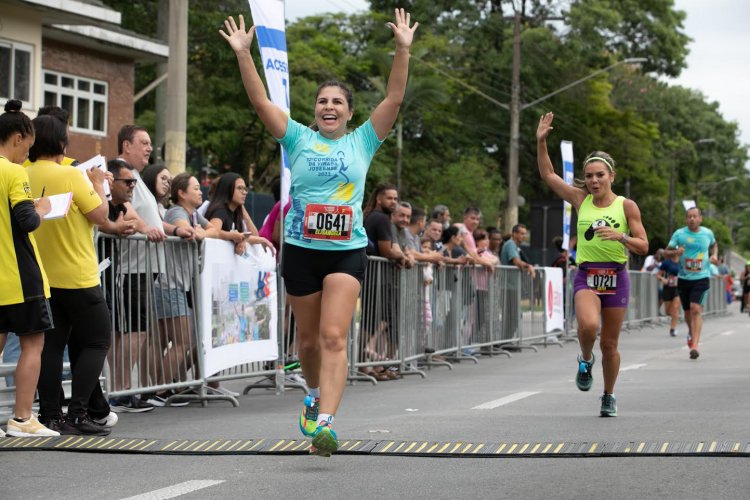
(170, 302)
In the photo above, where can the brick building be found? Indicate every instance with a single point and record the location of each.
(73, 54)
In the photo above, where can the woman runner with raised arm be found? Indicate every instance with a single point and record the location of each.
(323, 257)
(608, 227)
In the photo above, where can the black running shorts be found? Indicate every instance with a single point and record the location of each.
(693, 291)
(32, 316)
(304, 269)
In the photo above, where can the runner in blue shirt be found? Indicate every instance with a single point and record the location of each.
(669, 271)
(693, 244)
(323, 259)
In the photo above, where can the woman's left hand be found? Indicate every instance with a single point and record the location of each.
(402, 33)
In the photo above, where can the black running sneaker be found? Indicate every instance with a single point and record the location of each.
(82, 426)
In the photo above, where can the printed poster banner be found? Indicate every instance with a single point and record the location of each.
(238, 295)
(566, 147)
(554, 316)
(268, 16)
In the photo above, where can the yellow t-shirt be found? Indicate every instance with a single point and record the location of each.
(22, 275)
(67, 244)
(66, 161)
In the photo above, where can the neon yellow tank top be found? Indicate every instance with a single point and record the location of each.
(593, 249)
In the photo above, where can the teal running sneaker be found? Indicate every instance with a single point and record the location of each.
(584, 379)
(308, 418)
(609, 406)
(324, 440)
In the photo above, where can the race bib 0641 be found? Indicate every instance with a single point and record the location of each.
(328, 222)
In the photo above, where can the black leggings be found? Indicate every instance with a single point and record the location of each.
(82, 321)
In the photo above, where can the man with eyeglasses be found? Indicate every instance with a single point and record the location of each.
(120, 222)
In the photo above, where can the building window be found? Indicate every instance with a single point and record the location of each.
(85, 99)
(15, 72)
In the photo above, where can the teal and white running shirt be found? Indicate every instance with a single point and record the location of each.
(694, 262)
(327, 186)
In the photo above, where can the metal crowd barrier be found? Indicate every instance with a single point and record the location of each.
(644, 301)
(152, 290)
(406, 319)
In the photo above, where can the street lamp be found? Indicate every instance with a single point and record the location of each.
(670, 230)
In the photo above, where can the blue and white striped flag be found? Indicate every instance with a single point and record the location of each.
(566, 148)
(268, 17)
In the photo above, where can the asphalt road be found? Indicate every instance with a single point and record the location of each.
(663, 397)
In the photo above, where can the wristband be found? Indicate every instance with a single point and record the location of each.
(624, 238)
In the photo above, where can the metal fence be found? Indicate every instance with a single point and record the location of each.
(408, 319)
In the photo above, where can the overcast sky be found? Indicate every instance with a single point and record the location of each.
(718, 64)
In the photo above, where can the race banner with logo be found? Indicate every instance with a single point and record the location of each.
(238, 300)
(554, 316)
(268, 16)
(566, 147)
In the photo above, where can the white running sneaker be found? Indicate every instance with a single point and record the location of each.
(108, 421)
(29, 428)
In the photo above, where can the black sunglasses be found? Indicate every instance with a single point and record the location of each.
(128, 182)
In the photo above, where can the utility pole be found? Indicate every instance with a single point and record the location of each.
(176, 123)
(511, 212)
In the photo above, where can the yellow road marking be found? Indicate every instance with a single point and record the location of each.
(455, 447)
(559, 447)
(354, 446)
(125, 445)
(169, 446)
(712, 448)
(291, 442)
(273, 448)
(736, 447)
(201, 446)
(387, 447)
(13, 443)
(502, 446)
(593, 447)
(180, 445)
(640, 447)
(105, 442)
(700, 447)
(247, 443)
(422, 447)
(664, 448)
(408, 448)
(224, 445)
(523, 448)
(345, 443)
(234, 446)
(86, 442)
(481, 445)
(300, 445)
(467, 447)
(536, 447)
(211, 447)
(546, 448)
(443, 448)
(61, 443)
(73, 443)
(510, 450)
(399, 447)
(30, 443)
(256, 444)
(148, 444)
